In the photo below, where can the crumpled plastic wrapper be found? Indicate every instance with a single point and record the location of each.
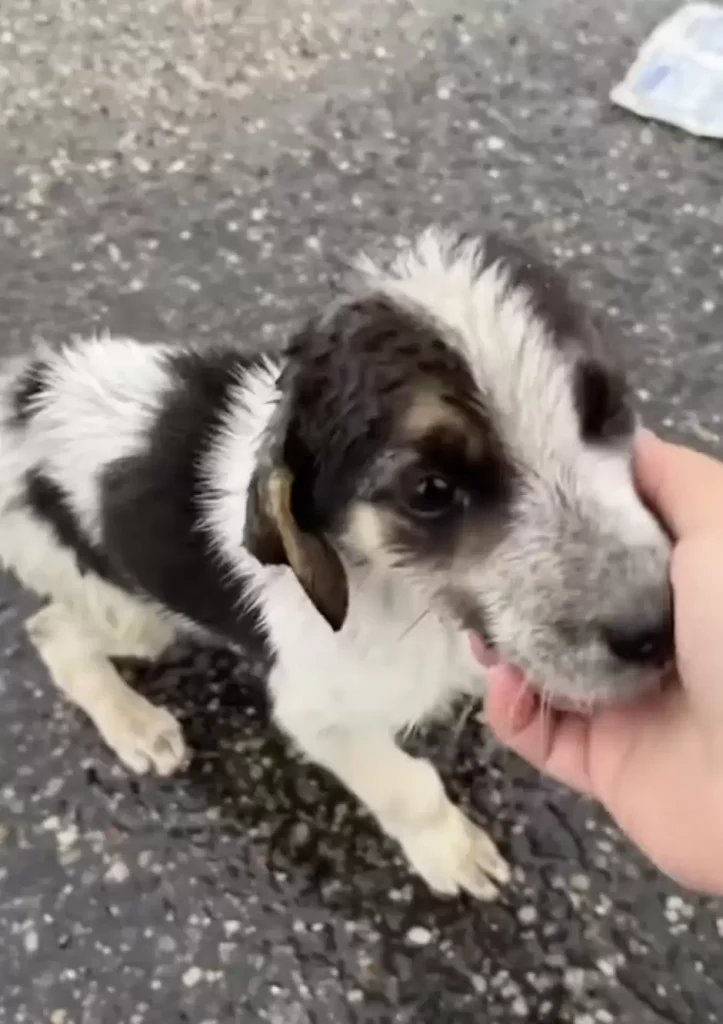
(677, 76)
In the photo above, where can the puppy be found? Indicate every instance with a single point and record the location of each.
(444, 450)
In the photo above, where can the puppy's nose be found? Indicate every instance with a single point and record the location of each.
(648, 643)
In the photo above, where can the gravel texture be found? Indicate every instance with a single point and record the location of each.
(172, 168)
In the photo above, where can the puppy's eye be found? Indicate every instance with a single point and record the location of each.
(432, 497)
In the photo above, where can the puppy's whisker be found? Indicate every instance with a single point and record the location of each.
(414, 624)
(410, 730)
(519, 700)
(546, 713)
(461, 723)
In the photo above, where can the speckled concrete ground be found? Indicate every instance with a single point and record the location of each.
(175, 167)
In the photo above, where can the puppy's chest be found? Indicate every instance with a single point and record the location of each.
(394, 663)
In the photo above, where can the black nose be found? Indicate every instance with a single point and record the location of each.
(641, 644)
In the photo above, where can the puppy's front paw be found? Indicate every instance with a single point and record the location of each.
(145, 737)
(454, 854)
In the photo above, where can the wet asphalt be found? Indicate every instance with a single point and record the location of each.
(204, 167)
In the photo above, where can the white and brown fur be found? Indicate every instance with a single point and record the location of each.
(446, 448)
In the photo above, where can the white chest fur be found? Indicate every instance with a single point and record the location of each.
(342, 696)
(394, 664)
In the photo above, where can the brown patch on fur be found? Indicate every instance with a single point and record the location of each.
(428, 412)
(274, 537)
(433, 417)
(367, 530)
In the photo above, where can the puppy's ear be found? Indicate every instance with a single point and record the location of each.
(273, 536)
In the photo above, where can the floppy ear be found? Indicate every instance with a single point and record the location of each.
(272, 535)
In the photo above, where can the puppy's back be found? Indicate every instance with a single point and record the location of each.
(71, 411)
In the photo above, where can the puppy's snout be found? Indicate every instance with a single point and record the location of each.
(643, 643)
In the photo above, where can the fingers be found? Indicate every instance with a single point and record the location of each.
(684, 487)
(697, 575)
(556, 743)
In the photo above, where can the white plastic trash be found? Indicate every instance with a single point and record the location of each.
(677, 76)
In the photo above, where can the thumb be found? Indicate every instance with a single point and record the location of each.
(697, 578)
(684, 487)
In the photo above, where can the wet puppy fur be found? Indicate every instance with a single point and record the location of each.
(444, 448)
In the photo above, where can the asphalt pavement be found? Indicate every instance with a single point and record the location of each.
(204, 167)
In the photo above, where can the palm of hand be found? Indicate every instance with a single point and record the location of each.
(658, 775)
(650, 766)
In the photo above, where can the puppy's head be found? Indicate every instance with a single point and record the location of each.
(456, 421)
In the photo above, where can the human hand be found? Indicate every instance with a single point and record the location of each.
(656, 766)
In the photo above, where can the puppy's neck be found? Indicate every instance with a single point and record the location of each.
(235, 455)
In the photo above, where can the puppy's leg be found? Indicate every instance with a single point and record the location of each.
(139, 635)
(408, 799)
(143, 736)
